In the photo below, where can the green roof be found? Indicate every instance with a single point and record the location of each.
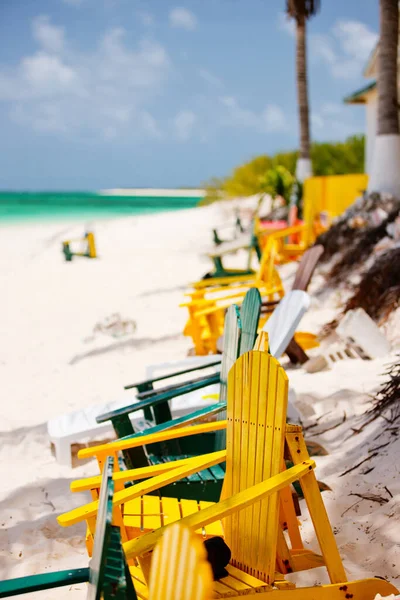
(358, 97)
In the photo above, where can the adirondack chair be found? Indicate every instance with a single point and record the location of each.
(247, 241)
(107, 575)
(278, 330)
(255, 505)
(206, 314)
(241, 330)
(152, 512)
(215, 311)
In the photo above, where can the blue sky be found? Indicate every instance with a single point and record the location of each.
(135, 93)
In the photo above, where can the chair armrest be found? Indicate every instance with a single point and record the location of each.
(91, 483)
(197, 415)
(237, 299)
(224, 290)
(220, 281)
(193, 465)
(148, 382)
(171, 434)
(224, 508)
(157, 399)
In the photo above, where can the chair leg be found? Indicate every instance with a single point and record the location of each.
(63, 452)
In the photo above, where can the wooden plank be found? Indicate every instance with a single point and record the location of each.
(252, 582)
(145, 385)
(156, 399)
(93, 483)
(262, 342)
(236, 584)
(232, 335)
(224, 508)
(290, 518)
(317, 510)
(259, 401)
(179, 568)
(284, 558)
(362, 590)
(104, 450)
(249, 316)
(140, 489)
(44, 581)
(171, 510)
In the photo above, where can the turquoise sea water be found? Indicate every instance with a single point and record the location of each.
(22, 206)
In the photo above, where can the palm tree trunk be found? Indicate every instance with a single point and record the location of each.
(302, 88)
(388, 114)
(385, 171)
(303, 166)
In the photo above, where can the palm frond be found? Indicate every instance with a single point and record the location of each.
(302, 9)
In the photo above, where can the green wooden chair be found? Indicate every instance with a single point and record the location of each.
(240, 331)
(107, 575)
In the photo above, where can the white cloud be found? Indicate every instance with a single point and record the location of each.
(146, 18)
(48, 36)
(286, 24)
(271, 119)
(345, 49)
(322, 47)
(274, 118)
(356, 38)
(182, 18)
(210, 78)
(101, 92)
(184, 123)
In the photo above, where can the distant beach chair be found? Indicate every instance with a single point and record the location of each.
(107, 574)
(212, 313)
(88, 243)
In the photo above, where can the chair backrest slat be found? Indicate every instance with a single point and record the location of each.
(179, 567)
(232, 335)
(283, 322)
(306, 267)
(249, 316)
(257, 405)
(108, 572)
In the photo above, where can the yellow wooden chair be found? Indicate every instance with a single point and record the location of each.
(138, 514)
(179, 568)
(207, 305)
(256, 505)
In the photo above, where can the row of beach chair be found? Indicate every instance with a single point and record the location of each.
(140, 548)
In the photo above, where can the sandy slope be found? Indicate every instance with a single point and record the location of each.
(50, 363)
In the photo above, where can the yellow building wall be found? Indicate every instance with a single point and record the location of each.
(332, 194)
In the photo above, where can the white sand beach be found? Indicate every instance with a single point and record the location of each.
(51, 362)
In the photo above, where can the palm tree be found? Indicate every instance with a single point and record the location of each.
(385, 171)
(301, 11)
